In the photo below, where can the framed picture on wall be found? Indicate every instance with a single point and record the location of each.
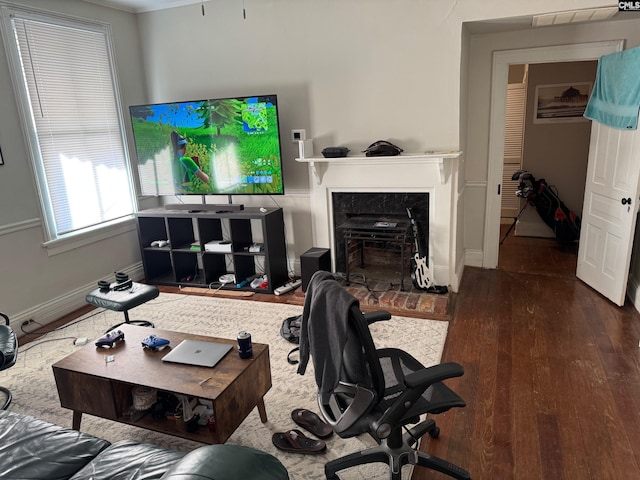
(561, 103)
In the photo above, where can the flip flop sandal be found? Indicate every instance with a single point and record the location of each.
(312, 422)
(295, 441)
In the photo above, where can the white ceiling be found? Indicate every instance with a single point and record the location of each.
(139, 6)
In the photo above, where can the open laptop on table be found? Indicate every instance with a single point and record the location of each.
(197, 352)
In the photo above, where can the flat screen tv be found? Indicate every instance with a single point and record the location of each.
(227, 146)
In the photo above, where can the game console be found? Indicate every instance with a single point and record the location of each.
(220, 246)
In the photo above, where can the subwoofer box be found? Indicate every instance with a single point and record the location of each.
(313, 260)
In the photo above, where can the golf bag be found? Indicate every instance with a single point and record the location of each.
(564, 223)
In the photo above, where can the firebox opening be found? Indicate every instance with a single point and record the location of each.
(377, 258)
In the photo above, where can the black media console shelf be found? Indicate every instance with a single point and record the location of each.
(257, 246)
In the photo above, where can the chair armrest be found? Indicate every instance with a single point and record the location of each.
(362, 399)
(417, 383)
(434, 374)
(372, 317)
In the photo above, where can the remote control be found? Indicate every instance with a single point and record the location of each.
(288, 287)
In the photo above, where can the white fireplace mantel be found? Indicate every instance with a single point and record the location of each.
(434, 173)
(318, 164)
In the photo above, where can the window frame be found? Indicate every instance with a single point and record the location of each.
(55, 242)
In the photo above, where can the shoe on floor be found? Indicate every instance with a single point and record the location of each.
(312, 422)
(295, 441)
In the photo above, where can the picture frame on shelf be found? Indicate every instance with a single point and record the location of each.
(561, 103)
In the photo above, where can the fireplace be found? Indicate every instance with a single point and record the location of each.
(385, 206)
(434, 174)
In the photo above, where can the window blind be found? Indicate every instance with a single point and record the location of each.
(80, 158)
(513, 146)
(514, 121)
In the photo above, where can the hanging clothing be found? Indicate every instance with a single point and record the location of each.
(615, 100)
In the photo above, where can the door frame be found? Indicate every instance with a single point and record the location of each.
(500, 74)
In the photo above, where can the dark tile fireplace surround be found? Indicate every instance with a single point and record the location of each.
(383, 207)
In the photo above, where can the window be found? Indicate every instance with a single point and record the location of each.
(67, 92)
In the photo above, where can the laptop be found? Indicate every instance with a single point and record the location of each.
(197, 352)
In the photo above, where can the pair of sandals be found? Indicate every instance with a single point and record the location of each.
(294, 441)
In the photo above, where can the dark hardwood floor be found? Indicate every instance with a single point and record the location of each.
(552, 373)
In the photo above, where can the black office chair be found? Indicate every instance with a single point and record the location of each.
(8, 354)
(365, 390)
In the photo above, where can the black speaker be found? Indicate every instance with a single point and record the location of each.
(313, 260)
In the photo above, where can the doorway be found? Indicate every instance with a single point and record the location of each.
(556, 149)
(501, 62)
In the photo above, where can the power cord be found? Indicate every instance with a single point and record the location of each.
(220, 285)
(33, 344)
(61, 327)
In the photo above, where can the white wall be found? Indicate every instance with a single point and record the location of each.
(348, 71)
(35, 284)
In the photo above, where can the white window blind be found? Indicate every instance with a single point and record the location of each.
(514, 121)
(74, 122)
(513, 146)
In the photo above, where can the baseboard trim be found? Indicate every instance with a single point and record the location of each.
(473, 258)
(56, 308)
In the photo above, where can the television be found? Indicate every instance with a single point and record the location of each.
(226, 146)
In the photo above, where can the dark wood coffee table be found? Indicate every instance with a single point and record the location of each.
(88, 384)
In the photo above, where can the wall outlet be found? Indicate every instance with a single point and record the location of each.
(298, 134)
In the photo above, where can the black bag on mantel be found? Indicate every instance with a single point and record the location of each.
(382, 148)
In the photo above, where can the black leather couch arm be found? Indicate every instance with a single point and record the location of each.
(227, 462)
(34, 449)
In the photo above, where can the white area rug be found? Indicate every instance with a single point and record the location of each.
(34, 392)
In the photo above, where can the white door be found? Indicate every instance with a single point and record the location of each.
(609, 211)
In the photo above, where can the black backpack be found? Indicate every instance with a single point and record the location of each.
(290, 331)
